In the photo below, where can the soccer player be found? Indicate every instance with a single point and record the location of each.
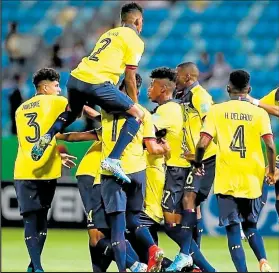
(88, 177)
(123, 203)
(35, 182)
(197, 102)
(94, 81)
(177, 168)
(270, 102)
(238, 126)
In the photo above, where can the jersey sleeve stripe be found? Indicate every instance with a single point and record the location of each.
(266, 136)
(206, 135)
(131, 67)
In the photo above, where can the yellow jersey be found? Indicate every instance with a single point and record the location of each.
(169, 116)
(91, 162)
(238, 127)
(115, 49)
(272, 98)
(132, 159)
(197, 102)
(155, 181)
(33, 119)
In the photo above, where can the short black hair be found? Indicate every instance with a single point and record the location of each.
(240, 79)
(128, 8)
(138, 81)
(45, 74)
(163, 73)
(186, 64)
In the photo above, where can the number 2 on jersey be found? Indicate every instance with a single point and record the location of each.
(105, 43)
(237, 144)
(32, 123)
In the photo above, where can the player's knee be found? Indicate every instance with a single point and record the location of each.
(136, 112)
(132, 220)
(94, 237)
(189, 200)
(249, 227)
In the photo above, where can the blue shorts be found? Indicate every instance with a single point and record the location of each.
(34, 195)
(201, 185)
(174, 189)
(92, 201)
(119, 197)
(106, 95)
(236, 210)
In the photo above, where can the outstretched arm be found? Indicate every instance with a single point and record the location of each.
(270, 109)
(155, 148)
(78, 136)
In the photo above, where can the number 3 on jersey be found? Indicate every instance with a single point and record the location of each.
(105, 43)
(237, 144)
(32, 123)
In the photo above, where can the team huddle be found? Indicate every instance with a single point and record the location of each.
(144, 168)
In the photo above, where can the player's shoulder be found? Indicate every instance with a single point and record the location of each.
(128, 33)
(60, 99)
(199, 92)
(25, 104)
(173, 104)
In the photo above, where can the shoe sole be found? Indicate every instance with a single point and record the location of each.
(107, 167)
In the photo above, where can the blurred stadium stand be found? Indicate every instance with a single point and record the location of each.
(246, 32)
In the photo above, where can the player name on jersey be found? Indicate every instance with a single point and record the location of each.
(238, 116)
(31, 105)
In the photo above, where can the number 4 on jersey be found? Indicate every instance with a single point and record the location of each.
(237, 144)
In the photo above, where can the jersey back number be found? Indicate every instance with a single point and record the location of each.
(237, 144)
(32, 123)
(105, 43)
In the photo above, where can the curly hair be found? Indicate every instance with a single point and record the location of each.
(45, 74)
(163, 73)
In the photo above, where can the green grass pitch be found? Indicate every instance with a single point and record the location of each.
(67, 251)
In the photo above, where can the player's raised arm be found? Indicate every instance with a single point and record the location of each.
(270, 103)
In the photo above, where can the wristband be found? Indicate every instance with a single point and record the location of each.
(196, 164)
(256, 102)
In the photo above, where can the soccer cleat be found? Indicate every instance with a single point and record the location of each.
(38, 270)
(264, 266)
(156, 256)
(40, 146)
(113, 166)
(138, 267)
(180, 261)
(30, 269)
